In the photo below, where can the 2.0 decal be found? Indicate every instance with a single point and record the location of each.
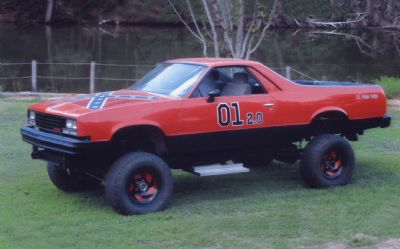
(253, 119)
(229, 115)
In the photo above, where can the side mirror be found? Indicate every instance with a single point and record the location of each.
(212, 95)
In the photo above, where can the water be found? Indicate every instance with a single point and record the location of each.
(359, 56)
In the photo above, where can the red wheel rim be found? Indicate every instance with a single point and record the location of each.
(331, 164)
(143, 187)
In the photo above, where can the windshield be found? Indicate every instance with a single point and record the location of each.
(174, 79)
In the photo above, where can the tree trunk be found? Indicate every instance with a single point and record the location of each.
(49, 11)
(49, 40)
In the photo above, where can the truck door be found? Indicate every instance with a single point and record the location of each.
(238, 117)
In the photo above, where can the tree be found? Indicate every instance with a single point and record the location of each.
(361, 13)
(234, 28)
(385, 13)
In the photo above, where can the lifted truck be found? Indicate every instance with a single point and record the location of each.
(191, 112)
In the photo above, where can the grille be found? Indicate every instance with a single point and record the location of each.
(49, 122)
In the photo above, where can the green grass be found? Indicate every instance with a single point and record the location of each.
(266, 208)
(391, 86)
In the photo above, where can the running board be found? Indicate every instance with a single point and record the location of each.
(219, 169)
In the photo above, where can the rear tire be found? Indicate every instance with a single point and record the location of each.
(73, 182)
(327, 161)
(139, 183)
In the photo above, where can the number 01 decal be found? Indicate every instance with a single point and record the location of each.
(224, 114)
(230, 115)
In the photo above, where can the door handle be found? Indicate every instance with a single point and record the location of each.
(269, 104)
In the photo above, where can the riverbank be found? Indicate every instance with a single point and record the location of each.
(123, 53)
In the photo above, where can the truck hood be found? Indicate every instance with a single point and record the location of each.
(86, 103)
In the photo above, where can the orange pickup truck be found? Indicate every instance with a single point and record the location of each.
(207, 116)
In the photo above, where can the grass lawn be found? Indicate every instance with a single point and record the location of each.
(266, 208)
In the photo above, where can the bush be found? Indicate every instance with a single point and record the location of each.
(391, 86)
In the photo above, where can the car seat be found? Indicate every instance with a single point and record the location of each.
(239, 85)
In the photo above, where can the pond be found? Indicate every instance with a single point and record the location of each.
(356, 56)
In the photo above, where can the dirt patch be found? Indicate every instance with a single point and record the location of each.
(357, 241)
(330, 245)
(388, 244)
(395, 103)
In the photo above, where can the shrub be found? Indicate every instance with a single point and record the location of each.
(391, 86)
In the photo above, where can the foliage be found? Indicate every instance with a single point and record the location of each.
(76, 11)
(390, 85)
(323, 10)
(266, 208)
(382, 13)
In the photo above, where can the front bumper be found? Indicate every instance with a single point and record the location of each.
(66, 152)
(54, 142)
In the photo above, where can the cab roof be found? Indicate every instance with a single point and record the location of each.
(212, 62)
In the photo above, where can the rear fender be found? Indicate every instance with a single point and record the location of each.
(327, 109)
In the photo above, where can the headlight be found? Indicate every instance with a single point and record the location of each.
(31, 117)
(70, 127)
(71, 124)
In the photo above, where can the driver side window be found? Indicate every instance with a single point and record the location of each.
(231, 81)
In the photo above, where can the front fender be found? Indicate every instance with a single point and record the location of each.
(141, 122)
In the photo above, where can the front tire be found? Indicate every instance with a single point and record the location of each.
(69, 182)
(139, 183)
(327, 161)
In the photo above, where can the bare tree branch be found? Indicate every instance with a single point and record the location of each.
(202, 38)
(183, 21)
(353, 19)
(396, 42)
(239, 32)
(271, 18)
(250, 30)
(213, 28)
(197, 34)
(230, 16)
(226, 27)
(205, 28)
(361, 44)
